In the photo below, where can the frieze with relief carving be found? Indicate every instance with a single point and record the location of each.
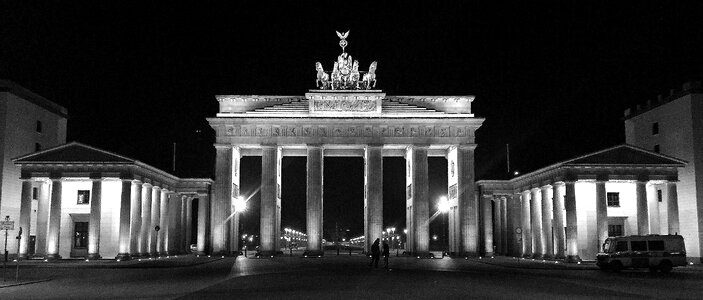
(355, 105)
(347, 131)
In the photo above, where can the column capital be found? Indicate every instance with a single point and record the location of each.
(602, 177)
(466, 146)
(223, 146)
(557, 184)
(156, 188)
(546, 187)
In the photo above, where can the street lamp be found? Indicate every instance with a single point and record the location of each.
(443, 207)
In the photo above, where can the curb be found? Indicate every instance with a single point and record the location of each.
(24, 283)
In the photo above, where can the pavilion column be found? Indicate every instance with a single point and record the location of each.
(154, 238)
(135, 218)
(174, 214)
(163, 222)
(42, 217)
(672, 207)
(222, 199)
(183, 240)
(653, 208)
(642, 209)
(547, 237)
(373, 194)
(558, 225)
(269, 159)
(487, 215)
(146, 220)
(601, 213)
(504, 231)
(526, 224)
(203, 213)
(125, 204)
(25, 216)
(419, 192)
(537, 237)
(497, 225)
(52, 239)
(514, 220)
(234, 220)
(571, 223)
(315, 167)
(466, 199)
(95, 219)
(189, 223)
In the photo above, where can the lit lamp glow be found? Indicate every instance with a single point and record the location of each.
(240, 205)
(443, 204)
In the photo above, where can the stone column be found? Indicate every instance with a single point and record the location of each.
(537, 237)
(467, 201)
(487, 216)
(514, 221)
(25, 216)
(135, 218)
(526, 224)
(42, 217)
(497, 225)
(146, 221)
(601, 213)
(174, 213)
(183, 226)
(373, 194)
(203, 213)
(162, 247)
(547, 237)
(315, 167)
(268, 201)
(52, 239)
(571, 223)
(222, 199)
(558, 225)
(421, 207)
(672, 207)
(504, 231)
(154, 237)
(125, 208)
(189, 223)
(234, 220)
(642, 211)
(95, 219)
(653, 208)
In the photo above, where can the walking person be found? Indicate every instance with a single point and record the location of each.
(386, 254)
(375, 253)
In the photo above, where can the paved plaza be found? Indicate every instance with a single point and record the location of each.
(344, 276)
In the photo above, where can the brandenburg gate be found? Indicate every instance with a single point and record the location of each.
(346, 116)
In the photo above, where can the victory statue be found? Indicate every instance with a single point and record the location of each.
(345, 73)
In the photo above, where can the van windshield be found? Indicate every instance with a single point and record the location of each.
(606, 246)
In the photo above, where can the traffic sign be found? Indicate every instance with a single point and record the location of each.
(7, 225)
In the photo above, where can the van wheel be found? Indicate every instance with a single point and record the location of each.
(616, 266)
(665, 266)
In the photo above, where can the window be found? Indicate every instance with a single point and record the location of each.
(656, 148)
(37, 147)
(80, 235)
(621, 246)
(615, 230)
(638, 245)
(39, 126)
(613, 199)
(35, 193)
(656, 245)
(659, 195)
(655, 128)
(83, 197)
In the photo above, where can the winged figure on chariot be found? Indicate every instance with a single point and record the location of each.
(345, 72)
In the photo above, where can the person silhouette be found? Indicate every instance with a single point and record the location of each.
(386, 254)
(375, 253)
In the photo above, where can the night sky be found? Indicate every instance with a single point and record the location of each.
(552, 80)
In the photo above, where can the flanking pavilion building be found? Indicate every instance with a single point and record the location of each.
(568, 209)
(96, 204)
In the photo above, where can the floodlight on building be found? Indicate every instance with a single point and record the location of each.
(240, 205)
(443, 204)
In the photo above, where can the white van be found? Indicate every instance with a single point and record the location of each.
(656, 252)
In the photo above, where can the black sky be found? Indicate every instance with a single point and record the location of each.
(551, 79)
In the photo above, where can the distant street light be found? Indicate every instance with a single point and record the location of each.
(240, 205)
(443, 207)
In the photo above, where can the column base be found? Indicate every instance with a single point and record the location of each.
(489, 254)
(123, 256)
(200, 253)
(559, 256)
(547, 256)
(537, 256)
(313, 253)
(93, 256)
(52, 257)
(23, 256)
(572, 259)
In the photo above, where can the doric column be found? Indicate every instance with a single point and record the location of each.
(162, 243)
(189, 223)
(536, 210)
(373, 194)
(268, 200)
(222, 199)
(601, 214)
(497, 225)
(125, 208)
(174, 214)
(42, 217)
(135, 218)
(526, 224)
(571, 223)
(653, 208)
(672, 207)
(315, 167)
(25, 216)
(466, 201)
(234, 220)
(487, 216)
(143, 242)
(95, 218)
(183, 226)
(547, 204)
(558, 225)
(419, 193)
(203, 213)
(504, 231)
(642, 211)
(514, 222)
(154, 238)
(52, 239)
